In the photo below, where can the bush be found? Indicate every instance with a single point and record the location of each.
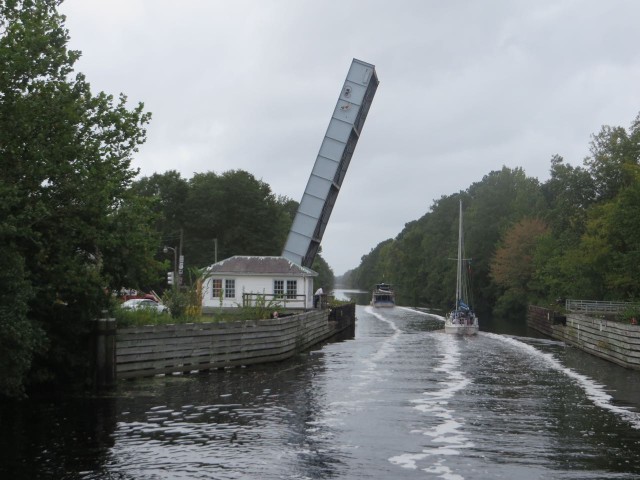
(144, 316)
(631, 315)
(261, 309)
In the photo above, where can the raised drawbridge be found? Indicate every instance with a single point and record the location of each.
(331, 164)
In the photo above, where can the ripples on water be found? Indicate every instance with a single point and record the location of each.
(401, 400)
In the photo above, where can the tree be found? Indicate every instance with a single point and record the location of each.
(569, 194)
(19, 337)
(612, 150)
(168, 192)
(370, 270)
(66, 213)
(513, 266)
(239, 211)
(496, 203)
(609, 251)
(591, 212)
(326, 277)
(232, 210)
(421, 267)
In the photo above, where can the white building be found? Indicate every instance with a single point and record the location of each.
(239, 281)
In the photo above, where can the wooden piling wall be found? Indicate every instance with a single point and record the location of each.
(151, 350)
(614, 341)
(541, 319)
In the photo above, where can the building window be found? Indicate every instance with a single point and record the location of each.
(292, 288)
(229, 288)
(216, 287)
(278, 288)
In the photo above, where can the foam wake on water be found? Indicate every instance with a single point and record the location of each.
(364, 373)
(447, 436)
(413, 310)
(387, 347)
(594, 391)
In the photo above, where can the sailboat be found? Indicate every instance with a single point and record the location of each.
(461, 320)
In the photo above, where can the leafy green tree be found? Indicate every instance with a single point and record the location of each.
(438, 251)
(609, 251)
(168, 193)
(612, 150)
(20, 337)
(290, 206)
(550, 279)
(513, 266)
(590, 210)
(496, 203)
(423, 270)
(65, 157)
(233, 211)
(569, 193)
(370, 270)
(405, 249)
(239, 211)
(325, 278)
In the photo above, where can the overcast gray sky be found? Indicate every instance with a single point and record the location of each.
(465, 87)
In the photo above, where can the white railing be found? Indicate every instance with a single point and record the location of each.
(595, 307)
(284, 300)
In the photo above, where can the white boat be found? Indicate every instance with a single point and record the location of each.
(461, 320)
(383, 296)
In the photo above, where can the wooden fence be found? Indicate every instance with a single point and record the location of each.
(146, 351)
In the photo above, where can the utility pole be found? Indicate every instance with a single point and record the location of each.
(181, 259)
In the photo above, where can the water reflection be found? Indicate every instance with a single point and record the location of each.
(359, 297)
(215, 425)
(55, 438)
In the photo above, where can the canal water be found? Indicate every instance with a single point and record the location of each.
(400, 400)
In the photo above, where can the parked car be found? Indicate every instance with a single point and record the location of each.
(140, 303)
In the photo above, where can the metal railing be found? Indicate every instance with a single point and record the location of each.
(597, 307)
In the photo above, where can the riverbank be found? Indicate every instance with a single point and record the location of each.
(179, 348)
(145, 351)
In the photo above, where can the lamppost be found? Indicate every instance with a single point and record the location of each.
(175, 263)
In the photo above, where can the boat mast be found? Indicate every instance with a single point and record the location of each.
(459, 272)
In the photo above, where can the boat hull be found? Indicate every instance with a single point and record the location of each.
(461, 323)
(461, 329)
(383, 304)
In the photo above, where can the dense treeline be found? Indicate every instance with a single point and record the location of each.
(576, 235)
(75, 225)
(218, 216)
